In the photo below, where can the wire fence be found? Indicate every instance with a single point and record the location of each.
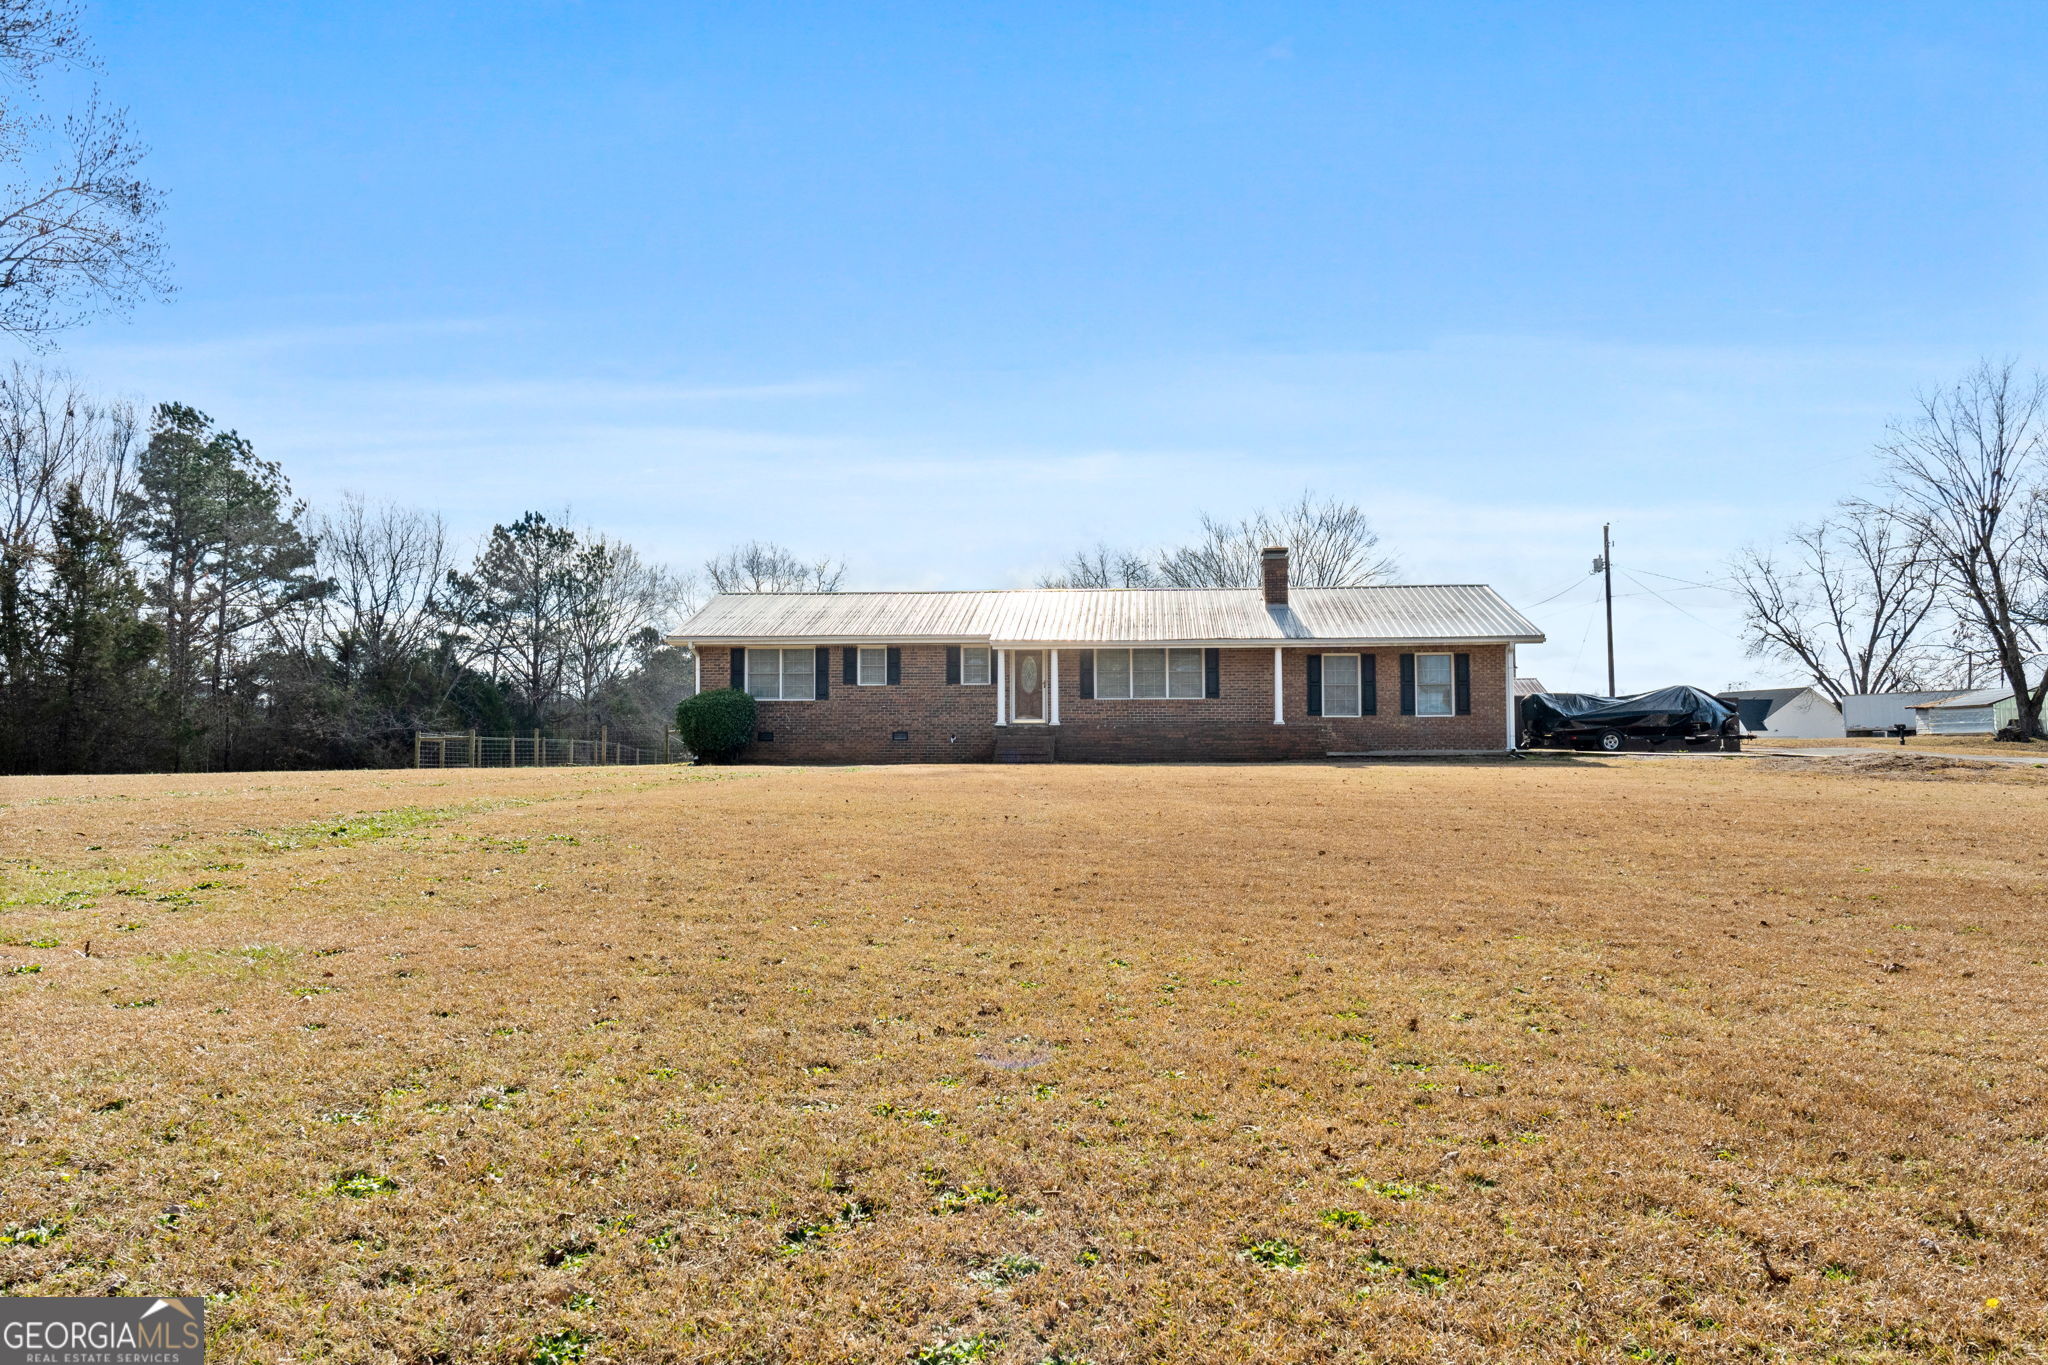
(468, 749)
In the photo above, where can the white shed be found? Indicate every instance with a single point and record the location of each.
(1786, 712)
(1874, 713)
(1963, 713)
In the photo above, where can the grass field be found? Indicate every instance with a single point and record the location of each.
(1955, 744)
(1572, 1060)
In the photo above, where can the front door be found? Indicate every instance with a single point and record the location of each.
(1027, 685)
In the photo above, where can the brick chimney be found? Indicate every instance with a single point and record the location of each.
(1273, 559)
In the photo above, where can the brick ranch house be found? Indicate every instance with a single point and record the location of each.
(1109, 674)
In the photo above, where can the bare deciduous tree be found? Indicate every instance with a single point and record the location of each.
(65, 461)
(385, 563)
(1103, 567)
(1967, 474)
(623, 603)
(1332, 545)
(78, 233)
(1853, 603)
(53, 434)
(759, 566)
(508, 614)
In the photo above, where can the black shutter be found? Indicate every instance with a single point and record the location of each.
(952, 665)
(1315, 684)
(895, 665)
(1368, 684)
(1407, 684)
(821, 673)
(1461, 665)
(849, 666)
(1088, 674)
(1212, 672)
(739, 670)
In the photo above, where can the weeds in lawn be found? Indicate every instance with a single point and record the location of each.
(755, 1075)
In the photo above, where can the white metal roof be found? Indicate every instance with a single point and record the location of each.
(1983, 696)
(1464, 613)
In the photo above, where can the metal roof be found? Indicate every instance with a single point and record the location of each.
(1466, 613)
(1983, 696)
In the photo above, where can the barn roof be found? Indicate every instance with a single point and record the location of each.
(1456, 613)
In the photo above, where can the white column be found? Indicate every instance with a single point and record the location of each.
(1512, 717)
(1002, 687)
(697, 664)
(1279, 689)
(1052, 680)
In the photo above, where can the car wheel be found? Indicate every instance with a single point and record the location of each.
(1610, 741)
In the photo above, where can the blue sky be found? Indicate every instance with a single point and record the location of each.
(949, 289)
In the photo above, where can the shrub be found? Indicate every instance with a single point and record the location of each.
(716, 724)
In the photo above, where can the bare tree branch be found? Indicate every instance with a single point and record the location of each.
(78, 223)
(1967, 476)
(1853, 605)
(760, 566)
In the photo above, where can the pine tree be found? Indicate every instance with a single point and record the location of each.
(230, 558)
(95, 681)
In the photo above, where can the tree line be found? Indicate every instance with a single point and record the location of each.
(167, 603)
(1936, 575)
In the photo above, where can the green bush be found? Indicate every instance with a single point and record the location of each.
(717, 724)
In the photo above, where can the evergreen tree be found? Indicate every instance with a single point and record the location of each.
(230, 558)
(96, 649)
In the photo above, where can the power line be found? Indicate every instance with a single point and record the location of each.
(1717, 587)
(1576, 582)
(1674, 606)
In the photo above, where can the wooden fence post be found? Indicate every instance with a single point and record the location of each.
(417, 760)
(540, 758)
(474, 756)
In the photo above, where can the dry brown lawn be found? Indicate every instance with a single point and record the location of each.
(1574, 1060)
(1955, 744)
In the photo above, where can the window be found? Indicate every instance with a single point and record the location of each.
(1147, 674)
(874, 666)
(974, 665)
(1341, 693)
(1436, 690)
(781, 674)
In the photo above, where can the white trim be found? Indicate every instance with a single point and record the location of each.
(1279, 689)
(859, 665)
(1514, 715)
(1002, 686)
(990, 678)
(1357, 682)
(1052, 681)
(747, 675)
(1420, 655)
(1044, 707)
(1166, 679)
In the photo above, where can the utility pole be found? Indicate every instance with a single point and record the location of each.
(1604, 566)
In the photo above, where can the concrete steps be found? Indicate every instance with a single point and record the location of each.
(1027, 744)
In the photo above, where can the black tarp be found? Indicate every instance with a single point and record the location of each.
(1666, 709)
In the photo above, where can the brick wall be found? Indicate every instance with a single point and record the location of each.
(954, 723)
(946, 723)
